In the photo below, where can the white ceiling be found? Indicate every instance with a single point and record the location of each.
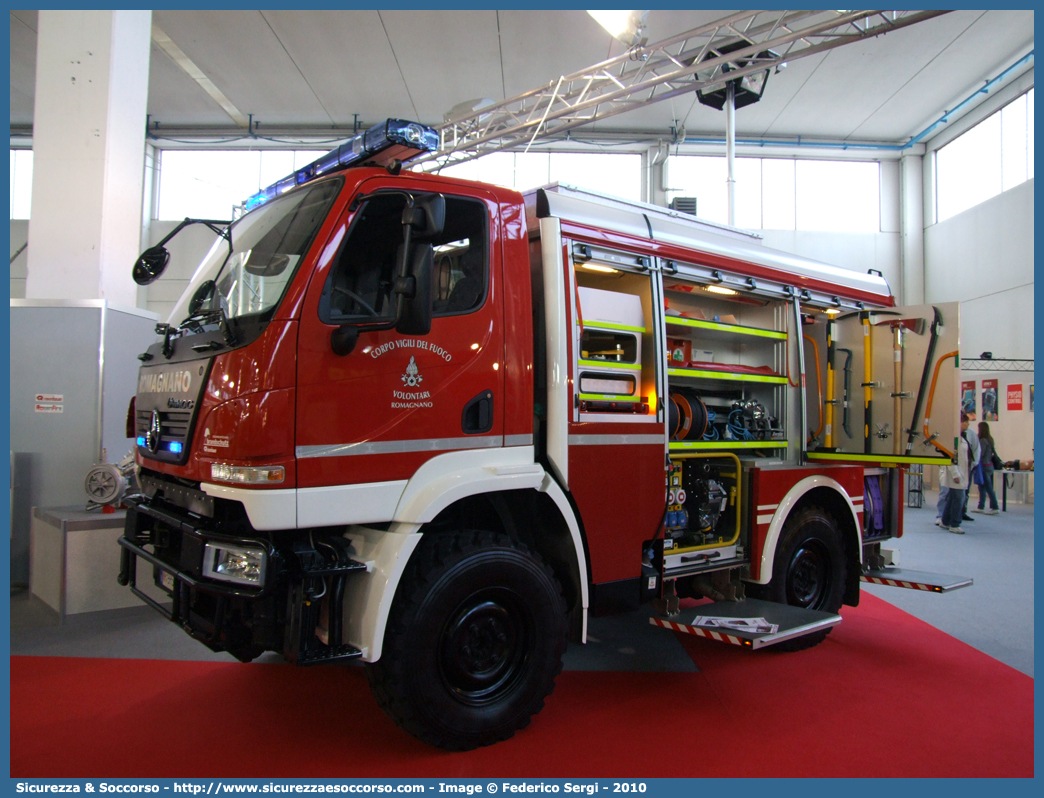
(318, 68)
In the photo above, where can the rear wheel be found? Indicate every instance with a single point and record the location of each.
(474, 641)
(809, 569)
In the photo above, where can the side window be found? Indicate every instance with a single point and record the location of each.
(461, 259)
(359, 287)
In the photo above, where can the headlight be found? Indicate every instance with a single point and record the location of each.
(242, 564)
(251, 475)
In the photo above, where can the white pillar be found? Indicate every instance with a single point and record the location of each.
(92, 77)
(911, 222)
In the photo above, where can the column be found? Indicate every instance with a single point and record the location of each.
(92, 76)
(911, 225)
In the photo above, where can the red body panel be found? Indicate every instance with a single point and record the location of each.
(364, 397)
(518, 321)
(247, 409)
(619, 491)
(769, 486)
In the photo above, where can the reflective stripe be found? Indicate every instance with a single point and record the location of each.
(402, 447)
(518, 440)
(768, 506)
(609, 364)
(609, 325)
(764, 519)
(608, 397)
(614, 440)
(727, 375)
(681, 321)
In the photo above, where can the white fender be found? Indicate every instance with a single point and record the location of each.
(768, 553)
(435, 486)
(453, 476)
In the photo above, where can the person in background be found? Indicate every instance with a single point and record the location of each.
(974, 459)
(987, 451)
(955, 477)
(940, 506)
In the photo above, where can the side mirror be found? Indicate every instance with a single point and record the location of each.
(427, 217)
(150, 265)
(343, 339)
(415, 293)
(202, 295)
(273, 267)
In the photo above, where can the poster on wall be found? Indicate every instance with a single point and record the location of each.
(1014, 393)
(968, 399)
(989, 400)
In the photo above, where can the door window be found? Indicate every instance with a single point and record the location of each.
(359, 289)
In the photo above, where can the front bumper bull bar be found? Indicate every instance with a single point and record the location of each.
(300, 646)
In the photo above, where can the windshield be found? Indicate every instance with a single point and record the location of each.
(267, 246)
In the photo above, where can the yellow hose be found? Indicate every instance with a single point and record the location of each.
(928, 410)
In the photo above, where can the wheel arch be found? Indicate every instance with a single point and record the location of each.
(540, 516)
(828, 493)
(542, 519)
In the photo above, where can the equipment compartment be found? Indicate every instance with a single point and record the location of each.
(726, 369)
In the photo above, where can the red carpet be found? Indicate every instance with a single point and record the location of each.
(885, 695)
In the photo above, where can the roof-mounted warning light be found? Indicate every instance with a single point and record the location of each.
(391, 140)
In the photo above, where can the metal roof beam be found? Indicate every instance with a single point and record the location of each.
(677, 65)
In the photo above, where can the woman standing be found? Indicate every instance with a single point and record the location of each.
(988, 448)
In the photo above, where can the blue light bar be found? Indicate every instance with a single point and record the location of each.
(141, 440)
(393, 139)
(176, 447)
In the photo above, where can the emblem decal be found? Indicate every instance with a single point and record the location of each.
(152, 437)
(412, 378)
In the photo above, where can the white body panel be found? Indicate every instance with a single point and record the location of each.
(266, 509)
(368, 596)
(369, 503)
(436, 485)
(768, 554)
(449, 477)
(670, 227)
(558, 389)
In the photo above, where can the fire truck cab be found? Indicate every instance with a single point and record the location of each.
(430, 424)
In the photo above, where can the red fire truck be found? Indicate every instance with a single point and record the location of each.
(432, 424)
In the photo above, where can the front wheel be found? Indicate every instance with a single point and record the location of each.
(474, 641)
(809, 569)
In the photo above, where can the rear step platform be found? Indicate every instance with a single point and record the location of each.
(748, 622)
(915, 580)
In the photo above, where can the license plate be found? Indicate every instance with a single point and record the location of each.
(167, 580)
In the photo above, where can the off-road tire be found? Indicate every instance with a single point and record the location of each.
(808, 571)
(474, 641)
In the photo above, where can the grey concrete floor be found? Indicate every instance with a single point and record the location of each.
(995, 615)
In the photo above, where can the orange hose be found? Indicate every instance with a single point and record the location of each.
(819, 385)
(928, 409)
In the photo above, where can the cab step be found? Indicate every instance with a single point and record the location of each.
(749, 622)
(323, 655)
(915, 580)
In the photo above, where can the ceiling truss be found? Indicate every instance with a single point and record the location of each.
(669, 68)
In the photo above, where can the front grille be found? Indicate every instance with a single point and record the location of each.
(174, 427)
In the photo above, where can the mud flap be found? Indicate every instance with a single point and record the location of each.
(915, 580)
(750, 622)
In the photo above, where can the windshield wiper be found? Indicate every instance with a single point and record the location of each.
(195, 322)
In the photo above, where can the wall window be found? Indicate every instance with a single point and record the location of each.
(993, 156)
(781, 193)
(21, 183)
(206, 184)
(618, 174)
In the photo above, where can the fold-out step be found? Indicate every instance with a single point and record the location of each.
(916, 580)
(749, 622)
